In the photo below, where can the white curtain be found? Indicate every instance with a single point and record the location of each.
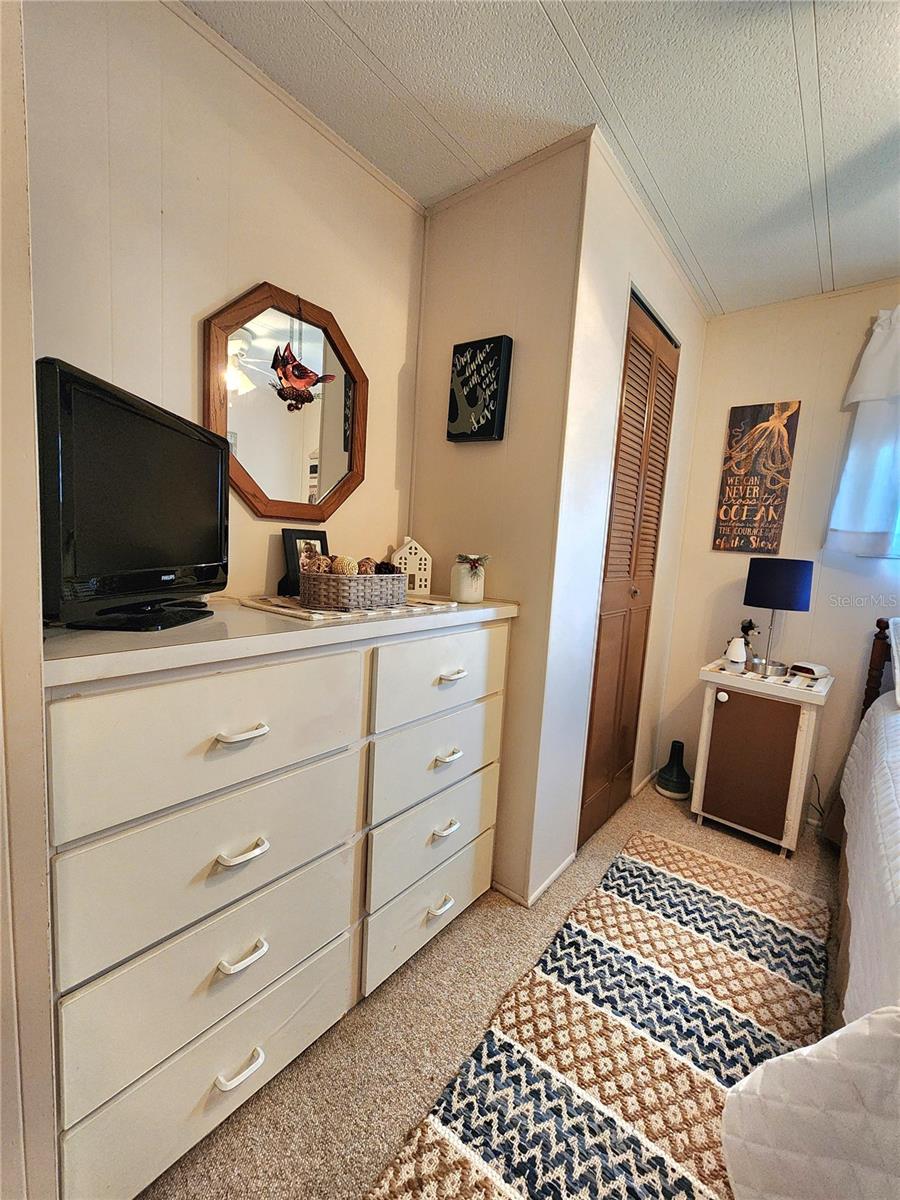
(865, 518)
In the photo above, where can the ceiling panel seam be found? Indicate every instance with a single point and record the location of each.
(367, 56)
(620, 136)
(803, 25)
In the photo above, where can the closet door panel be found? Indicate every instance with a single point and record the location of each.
(642, 442)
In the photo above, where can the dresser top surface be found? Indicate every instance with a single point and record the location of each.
(233, 632)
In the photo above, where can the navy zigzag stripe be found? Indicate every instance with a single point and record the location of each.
(782, 950)
(713, 1037)
(540, 1135)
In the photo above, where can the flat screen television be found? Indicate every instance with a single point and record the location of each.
(134, 506)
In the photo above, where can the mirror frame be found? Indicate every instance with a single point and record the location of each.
(216, 331)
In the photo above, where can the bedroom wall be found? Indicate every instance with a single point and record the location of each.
(167, 179)
(621, 250)
(805, 350)
(27, 1086)
(548, 254)
(502, 258)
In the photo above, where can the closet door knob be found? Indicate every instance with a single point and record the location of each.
(229, 739)
(227, 968)
(451, 827)
(449, 758)
(635, 592)
(721, 697)
(452, 676)
(443, 907)
(226, 1085)
(260, 846)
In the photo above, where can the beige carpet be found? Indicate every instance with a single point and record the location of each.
(324, 1127)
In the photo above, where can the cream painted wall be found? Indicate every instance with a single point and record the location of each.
(503, 259)
(165, 180)
(512, 257)
(620, 251)
(27, 1086)
(804, 350)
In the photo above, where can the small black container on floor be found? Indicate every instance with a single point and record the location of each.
(672, 780)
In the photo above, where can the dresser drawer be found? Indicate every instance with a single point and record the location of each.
(119, 755)
(398, 930)
(115, 1029)
(418, 678)
(409, 846)
(121, 1147)
(116, 896)
(423, 759)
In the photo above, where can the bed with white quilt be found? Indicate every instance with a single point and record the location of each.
(823, 1122)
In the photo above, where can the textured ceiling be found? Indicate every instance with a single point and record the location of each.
(763, 137)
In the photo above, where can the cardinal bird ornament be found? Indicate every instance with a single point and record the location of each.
(295, 381)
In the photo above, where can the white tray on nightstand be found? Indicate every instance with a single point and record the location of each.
(795, 688)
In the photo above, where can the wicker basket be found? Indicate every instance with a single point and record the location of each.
(347, 592)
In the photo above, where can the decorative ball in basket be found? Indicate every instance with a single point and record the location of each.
(341, 583)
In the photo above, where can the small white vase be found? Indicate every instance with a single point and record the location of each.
(466, 586)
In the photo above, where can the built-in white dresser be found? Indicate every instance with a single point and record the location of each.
(253, 823)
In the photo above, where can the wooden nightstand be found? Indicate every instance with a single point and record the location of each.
(757, 745)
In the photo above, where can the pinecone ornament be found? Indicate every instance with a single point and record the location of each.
(386, 568)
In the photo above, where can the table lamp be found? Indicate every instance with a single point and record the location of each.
(778, 583)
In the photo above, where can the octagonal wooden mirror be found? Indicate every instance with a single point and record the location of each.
(282, 384)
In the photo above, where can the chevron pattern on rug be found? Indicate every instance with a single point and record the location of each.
(603, 1073)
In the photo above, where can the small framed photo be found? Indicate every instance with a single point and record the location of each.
(294, 542)
(479, 382)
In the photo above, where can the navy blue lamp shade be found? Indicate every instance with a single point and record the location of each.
(782, 583)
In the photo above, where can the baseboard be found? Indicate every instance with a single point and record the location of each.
(539, 891)
(509, 893)
(640, 787)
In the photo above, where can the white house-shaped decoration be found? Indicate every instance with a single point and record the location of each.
(415, 563)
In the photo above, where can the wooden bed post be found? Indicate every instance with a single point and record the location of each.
(877, 661)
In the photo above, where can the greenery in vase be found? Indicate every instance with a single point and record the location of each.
(475, 562)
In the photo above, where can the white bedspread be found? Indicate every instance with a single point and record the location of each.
(823, 1122)
(820, 1123)
(871, 793)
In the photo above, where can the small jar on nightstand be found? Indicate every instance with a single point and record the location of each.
(757, 748)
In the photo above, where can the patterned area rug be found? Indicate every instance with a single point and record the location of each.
(604, 1071)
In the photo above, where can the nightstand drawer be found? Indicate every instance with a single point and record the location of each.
(121, 1147)
(115, 756)
(115, 1029)
(402, 927)
(411, 845)
(115, 896)
(418, 678)
(416, 762)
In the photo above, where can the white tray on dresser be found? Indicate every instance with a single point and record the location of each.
(253, 823)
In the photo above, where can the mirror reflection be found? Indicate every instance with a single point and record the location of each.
(290, 406)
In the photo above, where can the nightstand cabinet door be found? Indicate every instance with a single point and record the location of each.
(751, 759)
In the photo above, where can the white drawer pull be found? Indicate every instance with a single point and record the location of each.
(721, 697)
(229, 739)
(449, 758)
(256, 1061)
(451, 827)
(227, 968)
(445, 906)
(452, 676)
(260, 846)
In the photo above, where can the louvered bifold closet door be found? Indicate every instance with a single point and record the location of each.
(623, 517)
(642, 443)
